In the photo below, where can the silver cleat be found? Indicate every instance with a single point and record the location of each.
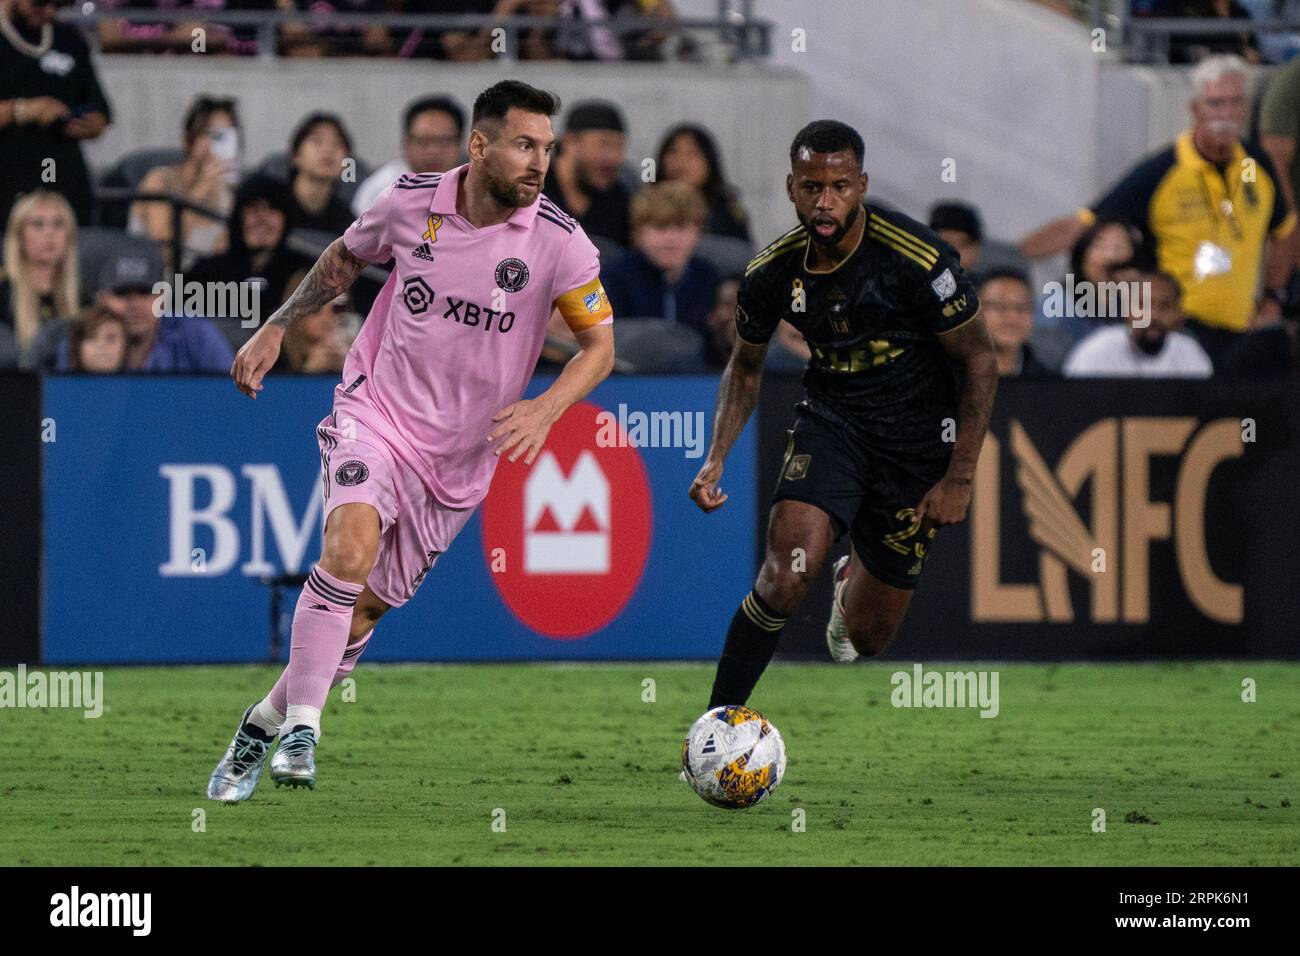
(235, 777)
(837, 631)
(294, 763)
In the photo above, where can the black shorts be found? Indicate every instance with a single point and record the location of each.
(869, 493)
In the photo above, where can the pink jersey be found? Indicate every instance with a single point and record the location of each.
(454, 336)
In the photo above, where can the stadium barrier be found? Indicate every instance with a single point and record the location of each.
(20, 516)
(169, 500)
(1109, 519)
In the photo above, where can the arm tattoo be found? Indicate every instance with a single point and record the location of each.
(971, 345)
(332, 275)
(737, 396)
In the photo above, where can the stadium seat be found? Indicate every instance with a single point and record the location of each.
(728, 254)
(127, 173)
(610, 251)
(659, 345)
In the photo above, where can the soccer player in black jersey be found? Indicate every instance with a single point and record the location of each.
(899, 390)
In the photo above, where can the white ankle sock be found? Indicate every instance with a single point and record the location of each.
(302, 714)
(266, 718)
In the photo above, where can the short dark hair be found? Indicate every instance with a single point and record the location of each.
(828, 136)
(1147, 268)
(429, 104)
(493, 103)
(200, 111)
(1006, 272)
(310, 122)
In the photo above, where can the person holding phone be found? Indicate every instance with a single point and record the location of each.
(50, 100)
(206, 176)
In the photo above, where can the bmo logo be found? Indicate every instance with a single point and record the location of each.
(574, 529)
(566, 517)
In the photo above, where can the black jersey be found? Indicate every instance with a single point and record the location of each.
(872, 324)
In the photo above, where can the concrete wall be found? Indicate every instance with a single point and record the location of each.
(1004, 87)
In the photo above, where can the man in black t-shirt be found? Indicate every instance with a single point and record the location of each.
(583, 180)
(899, 388)
(50, 100)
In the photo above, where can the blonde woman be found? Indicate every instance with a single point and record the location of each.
(38, 284)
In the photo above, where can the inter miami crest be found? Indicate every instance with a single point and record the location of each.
(512, 274)
(351, 473)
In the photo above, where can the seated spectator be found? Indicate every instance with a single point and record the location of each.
(97, 342)
(134, 32)
(1103, 246)
(39, 281)
(1134, 349)
(433, 132)
(584, 172)
(597, 43)
(722, 321)
(319, 39)
(317, 343)
(534, 43)
(1007, 301)
(154, 343)
(316, 153)
(258, 227)
(958, 224)
(659, 277)
(689, 154)
(207, 177)
(1194, 47)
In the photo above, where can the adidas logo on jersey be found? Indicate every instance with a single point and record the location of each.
(422, 251)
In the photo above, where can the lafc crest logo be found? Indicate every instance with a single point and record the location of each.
(1113, 460)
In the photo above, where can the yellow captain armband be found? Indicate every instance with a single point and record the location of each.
(585, 306)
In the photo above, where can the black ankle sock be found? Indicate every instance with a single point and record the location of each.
(751, 642)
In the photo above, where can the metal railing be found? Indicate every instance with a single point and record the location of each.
(1147, 39)
(735, 24)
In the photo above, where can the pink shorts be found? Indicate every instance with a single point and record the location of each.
(358, 466)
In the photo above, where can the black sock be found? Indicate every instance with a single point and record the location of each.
(751, 642)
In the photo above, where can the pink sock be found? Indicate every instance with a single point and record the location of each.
(350, 658)
(321, 623)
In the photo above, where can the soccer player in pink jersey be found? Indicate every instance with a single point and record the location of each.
(430, 397)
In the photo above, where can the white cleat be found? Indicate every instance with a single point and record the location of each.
(837, 631)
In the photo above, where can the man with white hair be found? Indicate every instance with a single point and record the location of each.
(1210, 208)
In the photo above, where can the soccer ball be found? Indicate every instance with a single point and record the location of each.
(733, 757)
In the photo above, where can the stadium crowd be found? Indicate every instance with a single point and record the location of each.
(81, 260)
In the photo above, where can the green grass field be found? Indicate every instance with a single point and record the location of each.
(586, 772)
